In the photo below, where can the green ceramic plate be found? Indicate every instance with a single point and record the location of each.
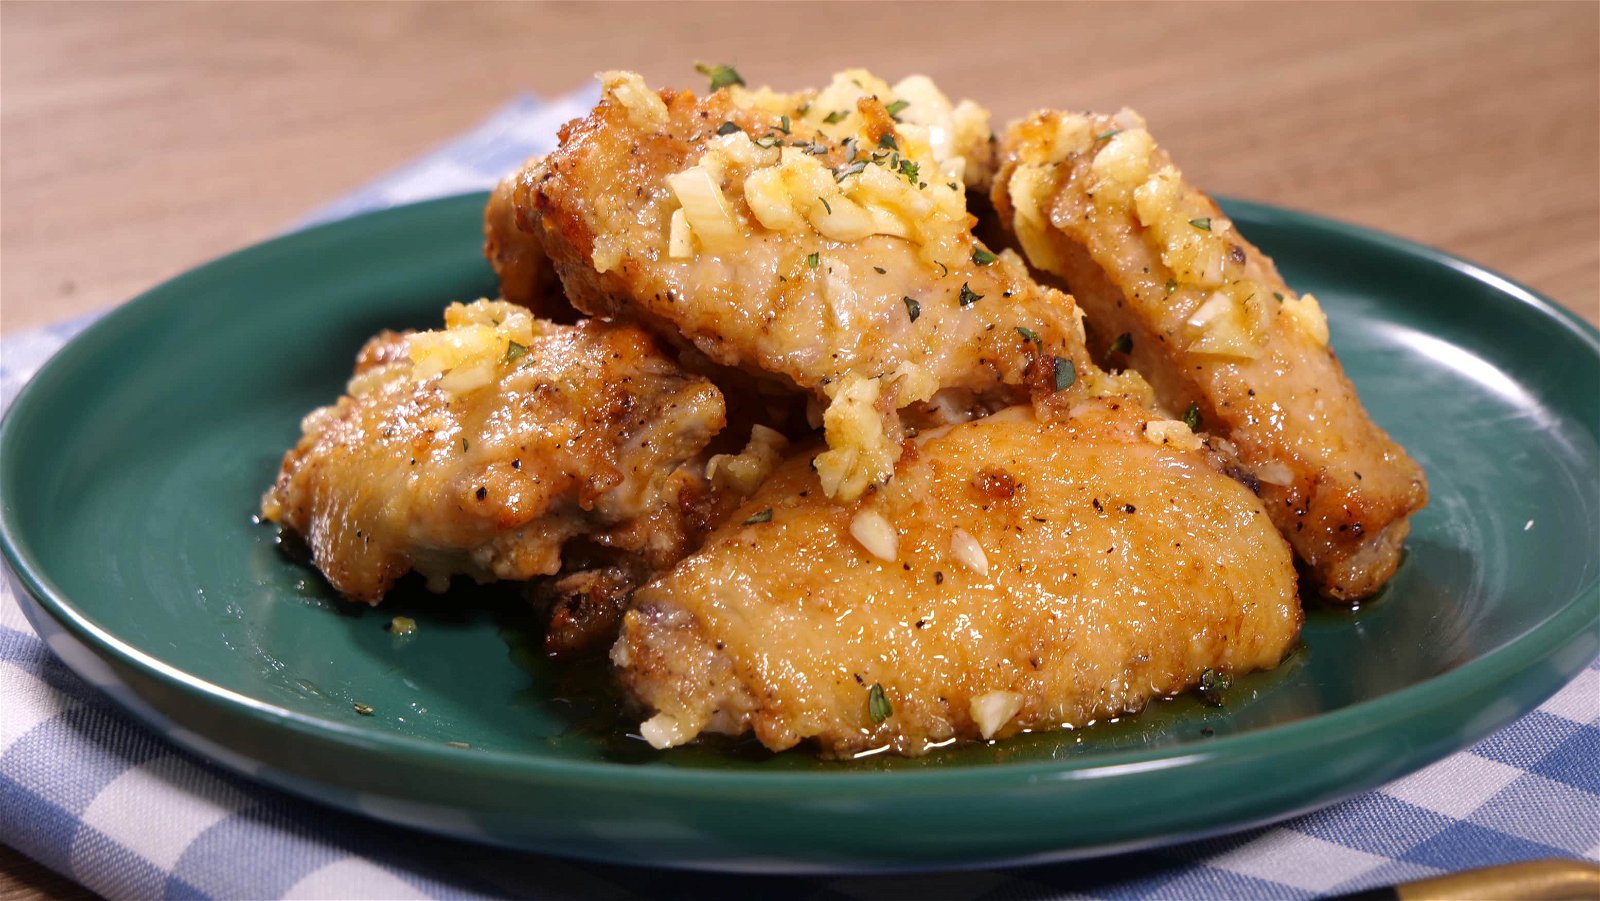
(130, 467)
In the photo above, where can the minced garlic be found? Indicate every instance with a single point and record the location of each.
(876, 534)
(477, 341)
(969, 552)
(992, 710)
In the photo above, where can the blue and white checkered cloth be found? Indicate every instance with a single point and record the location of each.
(92, 794)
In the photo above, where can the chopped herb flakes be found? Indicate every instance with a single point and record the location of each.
(982, 257)
(1123, 344)
(878, 706)
(1202, 224)
(363, 709)
(1278, 295)
(1066, 373)
(1030, 335)
(1191, 417)
(721, 76)
(783, 124)
(913, 309)
(1108, 135)
(909, 170)
(813, 259)
(515, 351)
(887, 141)
(763, 516)
(465, 444)
(896, 108)
(854, 168)
(766, 142)
(825, 204)
(728, 128)
(1172, 285)
(969, 296)
(880, 270)
(835, 117)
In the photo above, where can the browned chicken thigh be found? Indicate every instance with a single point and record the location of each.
(1015, 574)
(482, 448)
(1171, 288)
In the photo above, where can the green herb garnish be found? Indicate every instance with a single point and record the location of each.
(783, 124)
(1031, 335)
(1066, 373)
(813, 259)
(982, 257)
(514, 351)
(825, 204)
(1191, 417)
(878, 706)
(1108, 135)
(909, 170)
(887, 141)
(1202, 224)
(1122, 345)
(1172, 285)
(721, 75)
(896, 108)
(835, 117)
(1279, 295)
(763, 516)
(969, 296)
(913, 309)
(854, 168)
(728, 128)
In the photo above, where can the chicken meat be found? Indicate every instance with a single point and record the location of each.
(482, 448)
(1016, 574)
(1173, 290)
(819, 239)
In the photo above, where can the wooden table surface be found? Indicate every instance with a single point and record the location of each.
(142, 139)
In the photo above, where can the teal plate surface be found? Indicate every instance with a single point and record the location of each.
(130, 467)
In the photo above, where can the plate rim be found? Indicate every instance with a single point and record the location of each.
(1569, 622)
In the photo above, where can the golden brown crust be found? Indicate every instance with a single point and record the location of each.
(1212, 324)
(1110, 570)
(588, 432)
(511, 245)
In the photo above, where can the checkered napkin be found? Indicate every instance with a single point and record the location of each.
(99, 798)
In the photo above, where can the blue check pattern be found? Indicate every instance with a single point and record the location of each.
(90, 793)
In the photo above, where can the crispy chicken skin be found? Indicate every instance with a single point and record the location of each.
(1210, 323)
(1015, 575)
(511, 245)
(482, 448)
(814, 239)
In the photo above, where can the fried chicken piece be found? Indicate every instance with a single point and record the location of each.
(1171, 288)
(810, 238)
(1015, 575)
(512, 247)
(482, 448)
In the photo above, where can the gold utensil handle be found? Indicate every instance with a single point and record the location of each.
(1533, 880)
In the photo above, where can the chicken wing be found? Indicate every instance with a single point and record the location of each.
(482, 448)
(1015, 575)
(814, 238)
(512, 247)
(1172, 288)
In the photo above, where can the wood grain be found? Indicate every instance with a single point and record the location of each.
(141, 139)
